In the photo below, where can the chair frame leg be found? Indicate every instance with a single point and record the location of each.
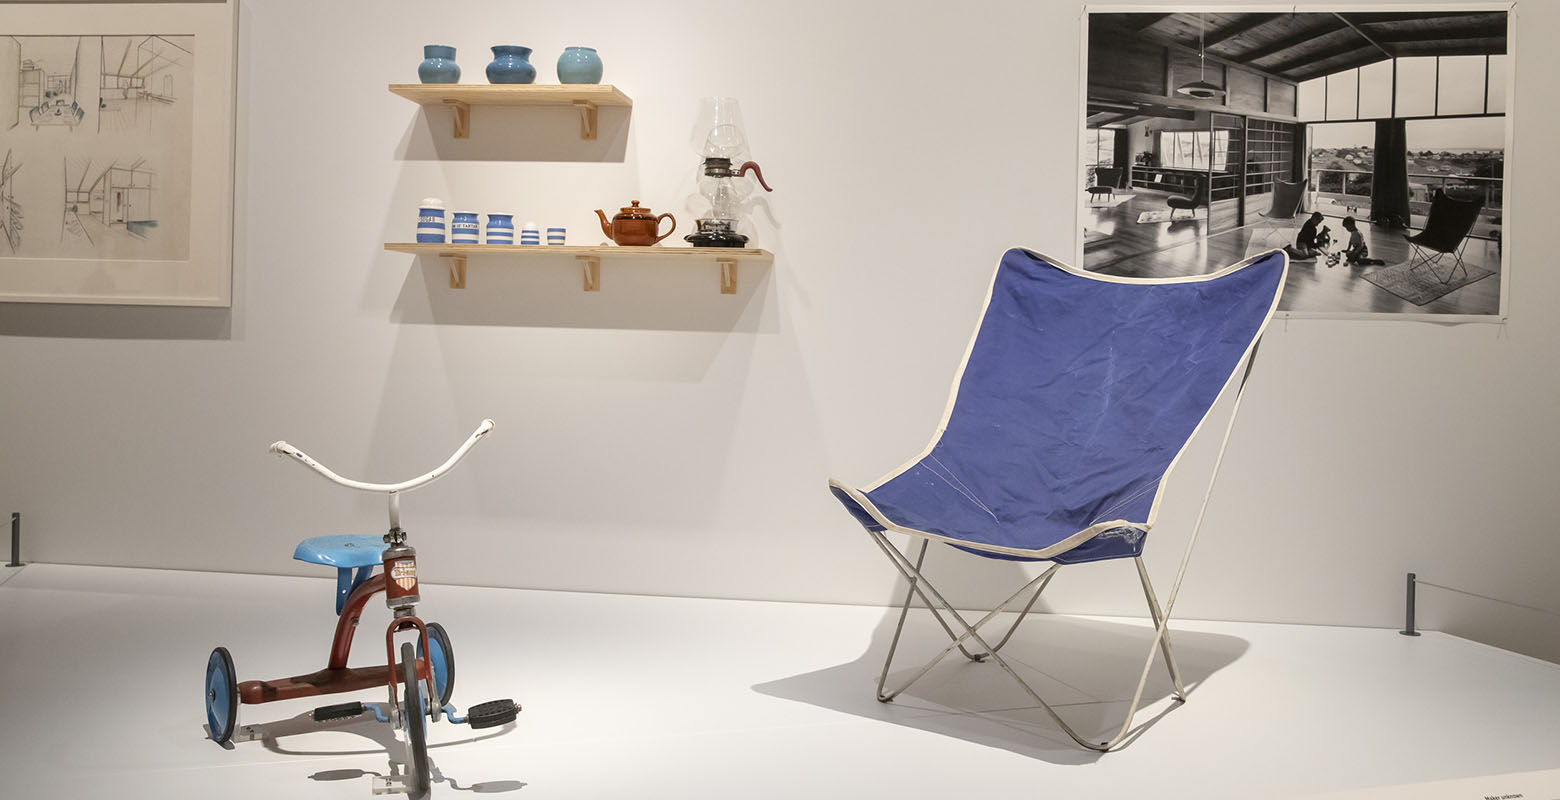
(939, 606)
(1433, 261)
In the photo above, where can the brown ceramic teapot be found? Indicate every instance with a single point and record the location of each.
(635, 226)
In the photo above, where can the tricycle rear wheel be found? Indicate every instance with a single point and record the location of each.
(221, 696)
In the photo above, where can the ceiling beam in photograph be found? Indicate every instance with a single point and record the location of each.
(1367, 37)
(1246, 24)
(1352, 52)
(1463, 47)
(1147, 21)
(1363, 57)
(1113, 120)
(1327, 26)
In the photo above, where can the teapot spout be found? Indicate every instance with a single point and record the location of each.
(606, 224)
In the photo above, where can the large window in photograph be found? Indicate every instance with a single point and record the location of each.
(1464, 158)
(1342, 159)
(1194, 149)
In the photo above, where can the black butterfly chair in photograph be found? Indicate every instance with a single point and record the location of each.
(1288, 196)
(1445, 234)
(1189, 202)
(1076, 398)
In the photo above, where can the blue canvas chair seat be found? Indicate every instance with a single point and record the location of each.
(1075, 399)
(354, 555)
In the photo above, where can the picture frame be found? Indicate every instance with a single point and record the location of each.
(1369, 141)
(117, 152)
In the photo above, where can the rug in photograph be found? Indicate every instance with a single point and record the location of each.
(1151, 217)
(1421, 286)
(1108, 202)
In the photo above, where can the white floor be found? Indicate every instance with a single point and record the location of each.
(632, 697)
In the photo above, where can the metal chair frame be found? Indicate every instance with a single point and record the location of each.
(962, 631)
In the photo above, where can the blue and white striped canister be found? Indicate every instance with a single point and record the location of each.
(555, 235)
(530, 234)
(464, 227)
(430, 221)
(501, 229)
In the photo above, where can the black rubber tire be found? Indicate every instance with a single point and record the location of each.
(492, 714)
(414, 718)
(221, 695)
(438, 637)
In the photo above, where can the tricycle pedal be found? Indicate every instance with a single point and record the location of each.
(492, 713)
(339, 711)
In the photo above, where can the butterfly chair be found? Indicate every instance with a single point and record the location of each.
(1446, 232)
(1189, 202)
(1287, 197)
(1076, 397)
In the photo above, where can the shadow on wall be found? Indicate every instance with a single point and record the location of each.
(536, 133)
(77, 321)
(546, 290)
(1086, 669)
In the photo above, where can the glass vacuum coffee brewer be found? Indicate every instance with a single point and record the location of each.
(719, 140)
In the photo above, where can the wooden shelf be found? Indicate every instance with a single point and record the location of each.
(459, 98)
(589, 257)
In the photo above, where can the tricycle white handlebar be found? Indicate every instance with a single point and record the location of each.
(285, 449)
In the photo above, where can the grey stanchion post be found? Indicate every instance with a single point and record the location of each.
(16, 539)
(1408, 619)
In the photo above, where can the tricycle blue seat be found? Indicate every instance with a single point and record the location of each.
(344, 551)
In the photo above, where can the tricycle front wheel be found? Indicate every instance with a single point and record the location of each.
(415, 718)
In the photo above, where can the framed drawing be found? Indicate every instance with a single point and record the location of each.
(116, 152)
(1369, 141)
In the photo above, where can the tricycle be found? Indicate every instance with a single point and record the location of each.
(420, 683)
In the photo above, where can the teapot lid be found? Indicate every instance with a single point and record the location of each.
(634, 211)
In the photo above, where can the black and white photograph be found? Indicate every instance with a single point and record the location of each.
(1370, 145)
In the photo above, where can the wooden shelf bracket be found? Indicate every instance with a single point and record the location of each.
(587, 111)
(462, 111)
(457, 264)
(728, 275)
(592, 271)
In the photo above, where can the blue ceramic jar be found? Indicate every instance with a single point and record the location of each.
(579, 65)
(430, 221)
(510, 65)
(464, 228)
(438, 65)
(501, 229)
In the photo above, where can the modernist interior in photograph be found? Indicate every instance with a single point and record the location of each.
(1212, 136)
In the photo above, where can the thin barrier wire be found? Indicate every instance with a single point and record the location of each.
(1420, 582)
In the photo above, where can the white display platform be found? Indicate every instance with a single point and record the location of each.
(649, 697)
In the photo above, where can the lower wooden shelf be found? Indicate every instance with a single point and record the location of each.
(589, 257)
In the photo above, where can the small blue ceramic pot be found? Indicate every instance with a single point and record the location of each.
(510, 65)
(438, 65)
(579, 65)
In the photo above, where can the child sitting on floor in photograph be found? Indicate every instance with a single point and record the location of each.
(1357, 253)
(1305, 247)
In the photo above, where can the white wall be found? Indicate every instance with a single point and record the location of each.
(659, 437)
